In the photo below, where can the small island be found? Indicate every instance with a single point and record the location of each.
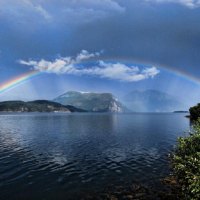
(181, 111)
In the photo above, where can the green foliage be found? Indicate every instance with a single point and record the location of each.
(195, 112)
(186, 163)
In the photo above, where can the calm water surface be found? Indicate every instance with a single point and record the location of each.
(64, 156)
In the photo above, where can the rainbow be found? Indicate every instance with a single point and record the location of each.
(17, 81)
(180, 73)
(14, 82)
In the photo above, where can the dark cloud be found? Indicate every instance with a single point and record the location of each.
(167, 34)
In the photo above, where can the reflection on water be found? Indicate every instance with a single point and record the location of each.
(48, 156)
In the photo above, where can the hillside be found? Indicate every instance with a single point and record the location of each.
(35, 106)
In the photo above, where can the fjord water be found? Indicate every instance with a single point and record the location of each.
(66, 156)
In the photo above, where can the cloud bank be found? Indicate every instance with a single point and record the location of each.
(54, 11)
(72, 66)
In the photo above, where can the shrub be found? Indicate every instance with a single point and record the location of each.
(186, 163)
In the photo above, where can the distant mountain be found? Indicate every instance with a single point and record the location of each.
(152, 101)
(36, 106)
(92, 102)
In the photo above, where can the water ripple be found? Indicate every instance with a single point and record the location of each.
(51, 154)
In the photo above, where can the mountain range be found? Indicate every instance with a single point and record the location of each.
(73, 101)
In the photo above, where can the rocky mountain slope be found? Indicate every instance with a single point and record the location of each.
(92, 102)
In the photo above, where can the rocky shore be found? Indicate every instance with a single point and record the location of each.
(131, 191)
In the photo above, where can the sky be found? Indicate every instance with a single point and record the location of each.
(113, 46)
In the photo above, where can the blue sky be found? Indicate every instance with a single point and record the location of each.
(103, 45)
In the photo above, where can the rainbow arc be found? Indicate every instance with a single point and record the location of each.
(14, 82)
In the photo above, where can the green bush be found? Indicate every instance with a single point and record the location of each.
(186, 163)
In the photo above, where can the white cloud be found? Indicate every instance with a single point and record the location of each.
(61, 65)
(70, 65)
(120, 71)
(188, 3)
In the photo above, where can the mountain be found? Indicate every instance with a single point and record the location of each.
(36, 106)
(92, 102)
(152, 101)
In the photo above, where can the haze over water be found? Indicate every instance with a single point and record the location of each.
(66, 156)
